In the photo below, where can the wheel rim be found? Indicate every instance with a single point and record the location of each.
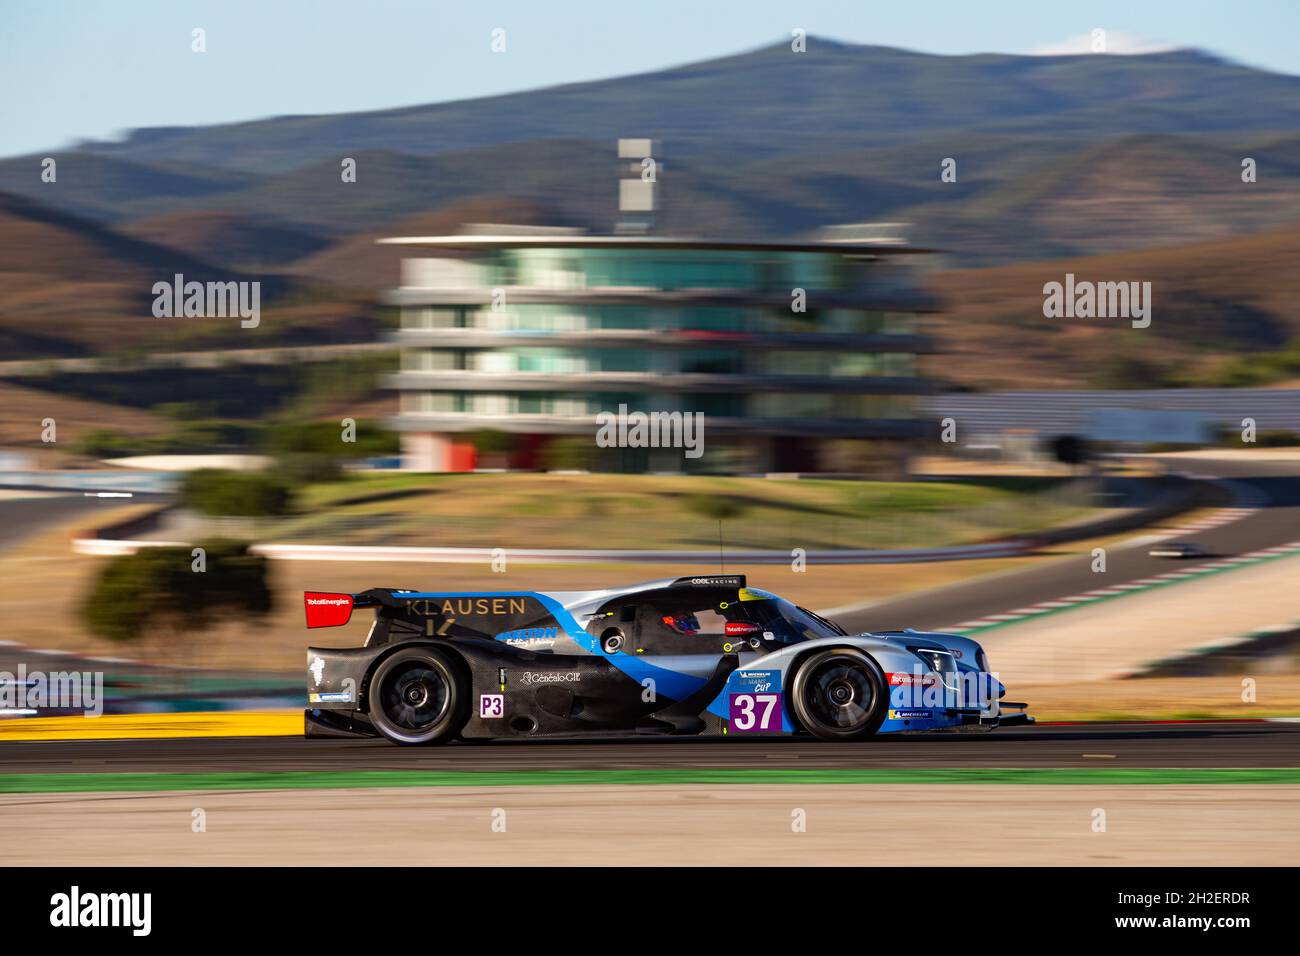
(415, 697)
(840, 695)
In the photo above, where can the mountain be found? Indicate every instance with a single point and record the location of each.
(772, 101)
(1056, 156)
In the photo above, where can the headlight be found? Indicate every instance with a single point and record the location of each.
(940, 661)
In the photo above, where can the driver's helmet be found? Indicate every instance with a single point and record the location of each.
(683, 623)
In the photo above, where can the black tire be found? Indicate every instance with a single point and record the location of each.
(839, 694)
(419, 696)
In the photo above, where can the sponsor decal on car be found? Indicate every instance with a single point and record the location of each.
(333, 697)
(911, 680)
(549, 677)
(756, 680)
(465, 607)
(908, 714)
(317, 669)
(530, 637)
(325, 609)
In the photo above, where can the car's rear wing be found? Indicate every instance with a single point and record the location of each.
(396, 616)
(328, 609)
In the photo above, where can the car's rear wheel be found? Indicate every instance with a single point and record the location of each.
(839, 694)
(418, 696)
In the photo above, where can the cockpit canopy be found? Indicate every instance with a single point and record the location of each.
(679, 618)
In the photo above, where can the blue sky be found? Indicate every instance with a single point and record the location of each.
(82, 69)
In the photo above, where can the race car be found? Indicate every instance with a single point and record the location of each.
(704, 655)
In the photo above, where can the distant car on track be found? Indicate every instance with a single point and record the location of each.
(702, 655)
(1179, 549)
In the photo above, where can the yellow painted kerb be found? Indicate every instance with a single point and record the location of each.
(242, 723)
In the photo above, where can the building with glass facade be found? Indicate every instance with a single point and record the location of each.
(801, 356)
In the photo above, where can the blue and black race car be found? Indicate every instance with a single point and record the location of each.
(705, 655)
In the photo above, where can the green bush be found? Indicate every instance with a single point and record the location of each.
(213, 491)
(107, 443)
(567, 454)
(304, 468)
(210, 436)
(161, 590)
(1274, 438)
(326, 438)
(1131, 371)
(1246, 371)
(717, 507)
(488, 441)
(187, 437)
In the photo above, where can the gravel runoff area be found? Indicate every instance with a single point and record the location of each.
(662, 825)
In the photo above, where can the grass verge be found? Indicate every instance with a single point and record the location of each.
(333, 780)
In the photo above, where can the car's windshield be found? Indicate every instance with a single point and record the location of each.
(788, 622)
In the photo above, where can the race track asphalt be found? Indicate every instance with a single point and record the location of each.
(1111, 746)
(21, 517)
(1276, 522)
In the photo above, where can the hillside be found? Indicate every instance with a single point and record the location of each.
(39, 240)
(1223, 313)
(359, 262)
(22, 409)
(70, 287)
(242, 241)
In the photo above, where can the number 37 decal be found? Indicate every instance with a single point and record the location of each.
(756, 713)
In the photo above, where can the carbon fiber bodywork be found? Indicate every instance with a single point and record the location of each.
(704, 655)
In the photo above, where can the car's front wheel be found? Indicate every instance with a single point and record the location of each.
(839, 694)
(418, 696)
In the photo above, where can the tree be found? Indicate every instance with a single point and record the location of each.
(1069, 450)
(169, 593)
(214, 491)
(314, 451)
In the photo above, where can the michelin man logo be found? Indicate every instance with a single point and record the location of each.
(317, 669)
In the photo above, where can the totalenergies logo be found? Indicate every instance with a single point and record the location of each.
(912, 680)
(327, 610)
